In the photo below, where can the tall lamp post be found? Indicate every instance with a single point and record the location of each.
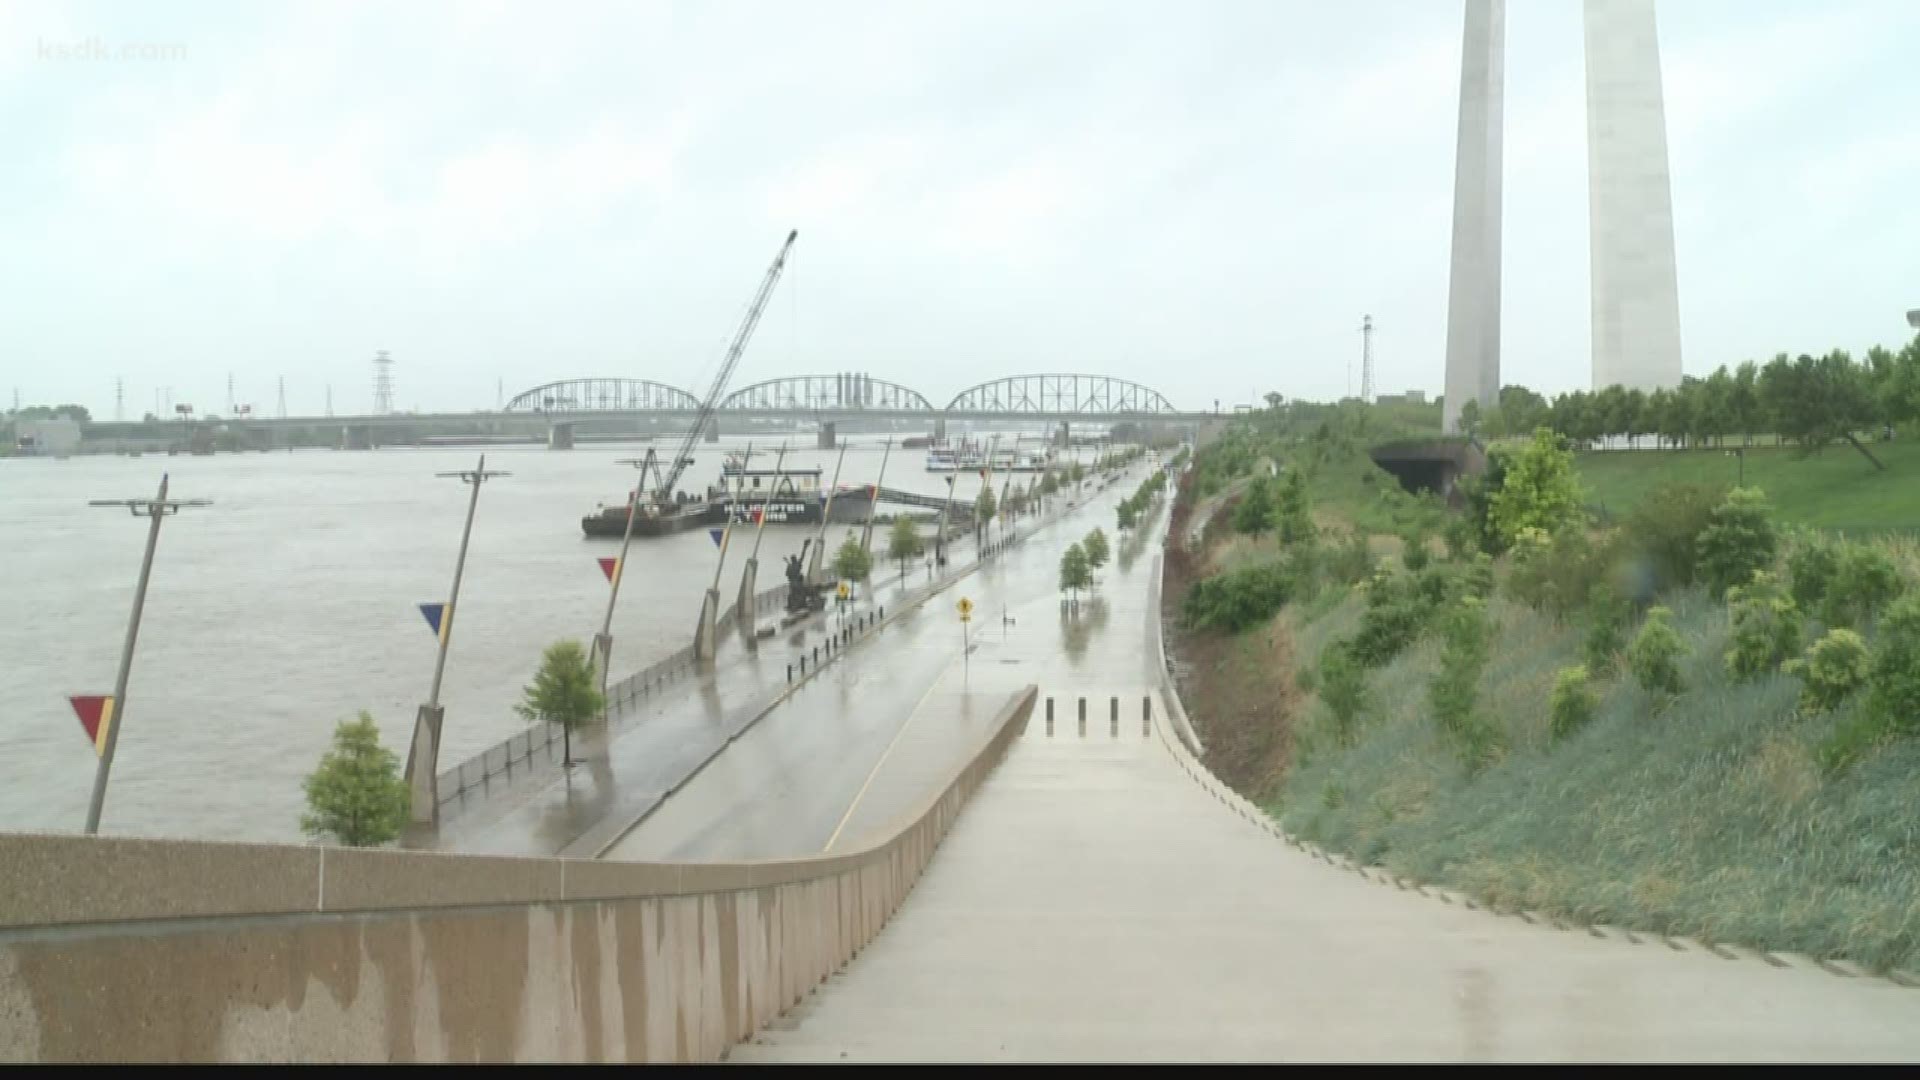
(424, 754)
(103, 718)
(603, 641)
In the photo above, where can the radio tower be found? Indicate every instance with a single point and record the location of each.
(382, 384)
(1366, 358)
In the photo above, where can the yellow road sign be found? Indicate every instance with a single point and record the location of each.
(966, 609)
(845, 591)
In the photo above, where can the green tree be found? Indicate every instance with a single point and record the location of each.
(1293, 514)
(1739, 540)
(1766, 628)
(1453, 692)
(1096, 548)
(562, 691)
(1538, 489)
(1836, 666)
(985, 507)
(1573, 702)
(1343, 688)
(904, 541)
(1075, 574)
(1894, 700)
(1655, 654)
(356, 797)
(852, 562)
(1254, 515)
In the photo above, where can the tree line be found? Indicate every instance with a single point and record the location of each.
(1811, 401)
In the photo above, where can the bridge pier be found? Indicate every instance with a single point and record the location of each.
(713, 430)
(829, 435)
(560, 435)
(1066, 434)
(356, 437)
(940, 427)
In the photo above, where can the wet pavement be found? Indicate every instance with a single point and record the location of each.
(884, 727)
(827, 724)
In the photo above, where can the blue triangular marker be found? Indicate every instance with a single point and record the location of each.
(432, 612)
(715, 533)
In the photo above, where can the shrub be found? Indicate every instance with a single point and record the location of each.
(1393, 619)
(1413, 548)
(1352, 561)
(1343, 689)
(1740, 540)
(1573, 703)
(1766, 628)
(1238, 599)
(1462, 537)
(1453, 690)
(1864, 581)
(1557, 574)
(1894, 697)
(1655, 654)
(1095, 545)
(1607, 613)
(1666, 527)
(1812, 565)
(1836, 666)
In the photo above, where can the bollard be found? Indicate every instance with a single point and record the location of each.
(1049, 718)
(1083, 718)
(789, 672)
(1146, 714)
(816, 656)
(1113, 718)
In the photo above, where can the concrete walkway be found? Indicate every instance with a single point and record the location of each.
(1098, 903)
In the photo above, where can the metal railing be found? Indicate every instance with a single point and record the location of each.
(498, 763)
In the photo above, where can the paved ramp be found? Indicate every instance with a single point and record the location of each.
(1096, 902)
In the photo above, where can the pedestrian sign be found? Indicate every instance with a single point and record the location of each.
(966, 609)
(845, 590)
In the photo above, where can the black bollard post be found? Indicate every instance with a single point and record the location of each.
(1146, 714)
(789, 672)
(1113, 718)
(1049, 718)
(1083, 718)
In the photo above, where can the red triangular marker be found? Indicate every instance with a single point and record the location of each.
(96, 717)
(607, 566)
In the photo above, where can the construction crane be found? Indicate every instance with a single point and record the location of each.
(663, 495)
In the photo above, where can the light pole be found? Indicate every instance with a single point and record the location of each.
(1741, 454)
(706, 634)
(603, 641)
(108, 714)
(1913, 318)
(424, 753)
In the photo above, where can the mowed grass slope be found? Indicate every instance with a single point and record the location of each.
(1835, 489)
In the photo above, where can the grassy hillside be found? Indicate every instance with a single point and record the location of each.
(1835, 489)
(1727, 811)
(1708, 816)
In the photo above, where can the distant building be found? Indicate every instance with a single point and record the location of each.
(1411, 397)
(56, 436)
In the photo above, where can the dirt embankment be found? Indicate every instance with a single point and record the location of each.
(1238, 688)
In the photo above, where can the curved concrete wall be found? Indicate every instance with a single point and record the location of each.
(165, 950)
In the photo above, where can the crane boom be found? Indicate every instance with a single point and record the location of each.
(684, 457)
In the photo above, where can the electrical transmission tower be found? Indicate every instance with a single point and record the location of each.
(382, 384)
(1366, 358)
(119, 398)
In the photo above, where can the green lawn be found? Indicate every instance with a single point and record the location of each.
(1834, 489)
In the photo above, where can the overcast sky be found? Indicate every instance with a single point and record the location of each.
(1204, 197)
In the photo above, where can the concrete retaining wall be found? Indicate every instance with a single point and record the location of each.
(116, 949)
